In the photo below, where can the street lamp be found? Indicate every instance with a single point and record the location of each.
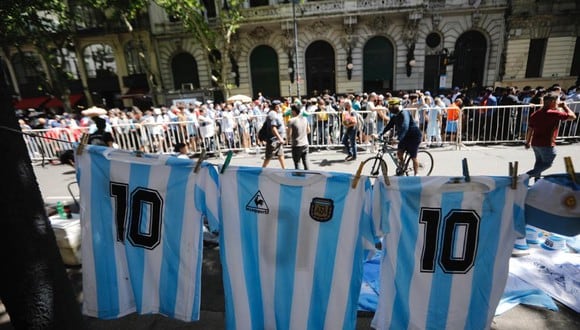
(349, 65)
(296, 46)
(291, 69)
(410, 59)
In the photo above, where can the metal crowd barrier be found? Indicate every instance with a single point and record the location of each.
(476, 125)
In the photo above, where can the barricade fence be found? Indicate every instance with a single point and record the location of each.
(475, 125)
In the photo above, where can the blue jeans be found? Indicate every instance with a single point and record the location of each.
(349, 141)
(544, 159)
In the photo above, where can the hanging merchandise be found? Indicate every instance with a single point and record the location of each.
(553, 204)
(142, 233)
(446, 249)
(291, 247)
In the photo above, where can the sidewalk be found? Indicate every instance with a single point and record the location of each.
(53, 181)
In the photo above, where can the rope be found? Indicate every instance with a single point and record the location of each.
(35, 136)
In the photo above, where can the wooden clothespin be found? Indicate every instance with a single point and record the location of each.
(570, 168)
(465, 168)
(227, 161)
(84, 141)
(199, 161)
(357, 176)
(513, 172)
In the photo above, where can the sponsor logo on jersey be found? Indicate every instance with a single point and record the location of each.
(321, 209)
(257, 204)
(569, 201)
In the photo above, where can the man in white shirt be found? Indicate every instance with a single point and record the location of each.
(228, 125)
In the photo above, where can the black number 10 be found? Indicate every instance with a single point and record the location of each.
(434, 238)
(132, 217)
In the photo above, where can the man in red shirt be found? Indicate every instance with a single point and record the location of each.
(543, 130)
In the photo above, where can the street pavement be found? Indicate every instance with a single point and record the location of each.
(56, 180)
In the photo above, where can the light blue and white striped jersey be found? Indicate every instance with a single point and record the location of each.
(292, 248)
(553, 204)
(446, 249)
(142, 233)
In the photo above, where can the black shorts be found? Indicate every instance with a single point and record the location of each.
(410, 144)
(274, 149)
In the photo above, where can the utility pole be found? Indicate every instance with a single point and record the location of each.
(296, 48)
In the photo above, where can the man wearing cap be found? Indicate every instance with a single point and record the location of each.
(100, 136)
(543, 131)
(276, 138)
(408, 133)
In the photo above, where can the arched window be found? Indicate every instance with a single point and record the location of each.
(99, 61)
(135, 55)
(265, 72)
(470, 53)
(320, 69)
(378, 64)
(184, 69)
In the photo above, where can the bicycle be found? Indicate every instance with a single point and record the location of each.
(424, 157)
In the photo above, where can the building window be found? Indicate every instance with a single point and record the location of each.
(258, 3)
(100, 61)
(210, 8)
(67, 59)
(135, 55)
(575, 70)
(536, 55)
(27, 67)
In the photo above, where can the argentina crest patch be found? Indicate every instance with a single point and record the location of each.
(321, 209)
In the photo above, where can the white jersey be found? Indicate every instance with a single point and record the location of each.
(560, 212)
(292, 248)
(446, 249)
(141, 233)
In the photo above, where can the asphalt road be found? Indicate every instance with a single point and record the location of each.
(54, 181)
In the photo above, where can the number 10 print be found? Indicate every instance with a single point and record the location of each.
(129, 212)
(453, 241)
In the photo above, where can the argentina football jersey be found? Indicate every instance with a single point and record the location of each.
(141, 231)
(292, 248)
(446, 249)
(552, 204)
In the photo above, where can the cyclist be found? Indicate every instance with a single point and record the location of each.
(408, 133)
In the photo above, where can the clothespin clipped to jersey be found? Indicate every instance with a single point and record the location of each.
(227, 161)
(513, 172)
(84, 141)
(465, 168)
(199, 161)
(570, 168)
(384, 169)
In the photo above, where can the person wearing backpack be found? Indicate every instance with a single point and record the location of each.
(274, 137)
(100, 137)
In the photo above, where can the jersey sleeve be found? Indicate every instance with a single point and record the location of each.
(368, 232)
(207, 195)
(380, 209)
(519, 205)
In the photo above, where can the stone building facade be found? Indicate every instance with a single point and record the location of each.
(340, 46)
(349, 46)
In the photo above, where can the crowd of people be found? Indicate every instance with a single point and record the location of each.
(327, 120)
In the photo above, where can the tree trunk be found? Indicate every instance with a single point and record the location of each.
(34, 286)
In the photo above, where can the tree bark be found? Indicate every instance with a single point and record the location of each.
(34, 286)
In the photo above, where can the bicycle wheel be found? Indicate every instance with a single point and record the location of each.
(376, 167)
(425, 164)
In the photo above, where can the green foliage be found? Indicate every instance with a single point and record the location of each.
(124, 10)
(32, 20)
(215, 36)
